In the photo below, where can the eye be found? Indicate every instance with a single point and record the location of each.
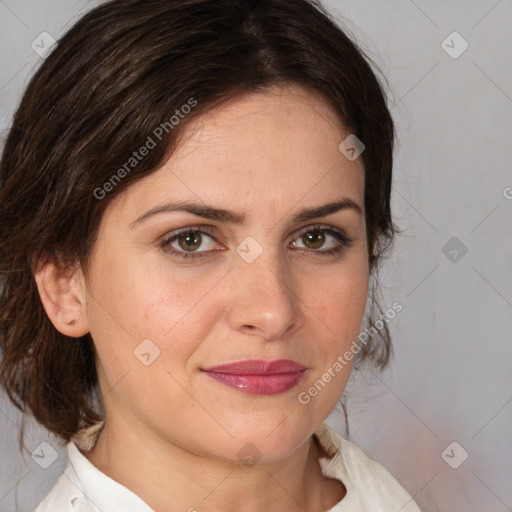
(331, 239)
(186, 242)
(193, 242)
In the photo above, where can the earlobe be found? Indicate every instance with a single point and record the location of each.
(62, 294)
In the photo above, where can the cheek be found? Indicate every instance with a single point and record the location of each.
(341, 301)
(174, 308)
(150, 317)
(337, 310)
(179, 306)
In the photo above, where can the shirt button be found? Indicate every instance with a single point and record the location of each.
(82, 505)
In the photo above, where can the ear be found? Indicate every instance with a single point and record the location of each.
(63, 293)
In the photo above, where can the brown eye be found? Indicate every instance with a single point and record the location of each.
(190, 241)
(313, 239)
(324, 241)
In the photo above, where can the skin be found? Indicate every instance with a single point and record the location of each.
(172, 434)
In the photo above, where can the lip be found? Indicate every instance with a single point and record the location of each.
(259, 377)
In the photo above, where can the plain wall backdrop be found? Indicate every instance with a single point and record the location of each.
(448, 393)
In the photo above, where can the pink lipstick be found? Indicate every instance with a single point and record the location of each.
(259, 377)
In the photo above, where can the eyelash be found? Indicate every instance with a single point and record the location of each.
(344, 241)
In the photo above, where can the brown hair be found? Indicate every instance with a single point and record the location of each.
(116, 77)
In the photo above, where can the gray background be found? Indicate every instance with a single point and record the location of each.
(451, 380)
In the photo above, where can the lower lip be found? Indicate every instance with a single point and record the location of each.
(272, 384)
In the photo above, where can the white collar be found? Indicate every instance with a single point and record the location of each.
(100, 490)
(100, 493)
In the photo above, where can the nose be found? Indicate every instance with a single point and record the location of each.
(263, 300)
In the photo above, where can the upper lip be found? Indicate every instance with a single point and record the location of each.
(258, 367)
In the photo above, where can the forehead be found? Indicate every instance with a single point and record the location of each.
(275, 149)
(289, 118)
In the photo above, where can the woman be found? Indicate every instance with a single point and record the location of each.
(195, 198)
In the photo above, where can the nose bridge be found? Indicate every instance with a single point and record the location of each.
(264, 302)
(266, 274)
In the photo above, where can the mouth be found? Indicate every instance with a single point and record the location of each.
(259, 377)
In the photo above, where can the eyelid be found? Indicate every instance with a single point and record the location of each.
(322, 227)
(205, 229)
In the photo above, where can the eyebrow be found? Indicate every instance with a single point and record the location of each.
(231, 217)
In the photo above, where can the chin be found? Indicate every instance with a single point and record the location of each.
(267, 443)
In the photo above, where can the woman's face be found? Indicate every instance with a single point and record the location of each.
(256, 279)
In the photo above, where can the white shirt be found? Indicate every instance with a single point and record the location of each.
(370, 487)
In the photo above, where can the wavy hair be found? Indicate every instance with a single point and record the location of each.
(121, 71)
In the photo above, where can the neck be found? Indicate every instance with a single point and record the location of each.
(168, 477)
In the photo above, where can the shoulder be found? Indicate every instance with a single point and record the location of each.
(370, 486)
